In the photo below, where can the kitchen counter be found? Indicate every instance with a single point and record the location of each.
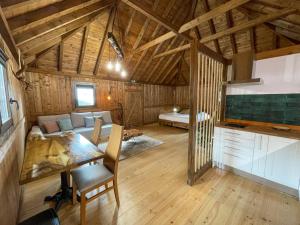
(293, 134)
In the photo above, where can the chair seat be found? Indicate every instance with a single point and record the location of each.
(87, 177)
(47, 217)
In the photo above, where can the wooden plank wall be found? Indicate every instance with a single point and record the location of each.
(156, 100)
(52, 94)
(12, 149)
(182, 96)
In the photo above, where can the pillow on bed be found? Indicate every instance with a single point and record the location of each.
(185, 111)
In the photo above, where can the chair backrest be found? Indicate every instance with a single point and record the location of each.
(113, 150)
(95, 138)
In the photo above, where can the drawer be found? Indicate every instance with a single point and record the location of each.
(239, 143)
(237, 162)
(230, 133)
(239, 152)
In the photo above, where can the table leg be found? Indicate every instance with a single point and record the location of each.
(64, 195)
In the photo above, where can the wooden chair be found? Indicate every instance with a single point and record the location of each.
(95, 138)
(89, 178)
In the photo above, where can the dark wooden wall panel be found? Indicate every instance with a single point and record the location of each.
(182, 96)
(12, 149)
(53, 94)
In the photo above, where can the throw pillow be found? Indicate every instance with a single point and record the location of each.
(51, 127)
(65, 124)
(89, 121)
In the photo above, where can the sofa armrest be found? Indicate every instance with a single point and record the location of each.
(35, 132)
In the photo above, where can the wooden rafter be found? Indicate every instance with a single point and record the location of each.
(211, 26)
(167, 74)
(265, 25)
(165, 67)
(249, 24)
(104, 37)
(140, 7)
(138, 40)
(252, 35)
(60, 54)
(157, 64)
(294, 49)
(21, 23)
(229, 22)
(195, 22)
(56, 23)
(31, 59)
(82, 48)
(195, 29)
(41, 40)
(156, 30)
(173, 51)
(5, 33)
(130, 22)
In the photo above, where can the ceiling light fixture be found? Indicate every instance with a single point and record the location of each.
(123, 73)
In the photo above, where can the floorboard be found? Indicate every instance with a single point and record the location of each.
(153, 190)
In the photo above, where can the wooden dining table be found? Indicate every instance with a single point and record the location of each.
(57, 155)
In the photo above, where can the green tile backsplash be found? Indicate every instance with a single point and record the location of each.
(273, 108)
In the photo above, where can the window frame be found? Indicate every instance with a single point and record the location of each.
(84, 84)
(4, 127)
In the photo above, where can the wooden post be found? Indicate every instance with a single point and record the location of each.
(193, 111)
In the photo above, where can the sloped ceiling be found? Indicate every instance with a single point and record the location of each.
(69, 36)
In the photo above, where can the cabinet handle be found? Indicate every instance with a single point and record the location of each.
(228, 132)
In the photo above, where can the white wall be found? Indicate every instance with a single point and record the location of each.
(280, 75)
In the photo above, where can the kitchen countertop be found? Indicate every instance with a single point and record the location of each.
(293, 134)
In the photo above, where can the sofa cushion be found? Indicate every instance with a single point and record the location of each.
(78, 118)
(84, 131)
(105, 130)
(43, 119)
(65, 124)
(51, 127)
(89, 121)
(105, 115)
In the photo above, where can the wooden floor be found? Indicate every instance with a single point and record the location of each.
(153, 190)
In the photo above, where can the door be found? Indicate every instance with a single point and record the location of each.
(133, 112)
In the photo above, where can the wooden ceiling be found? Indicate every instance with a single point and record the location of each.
(69, 36)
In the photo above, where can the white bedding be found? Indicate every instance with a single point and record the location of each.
(182, 118)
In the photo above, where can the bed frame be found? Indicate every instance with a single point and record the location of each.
(173, 124)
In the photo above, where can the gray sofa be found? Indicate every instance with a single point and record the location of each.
(78, 123)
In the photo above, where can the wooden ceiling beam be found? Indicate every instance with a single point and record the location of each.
(229, 22)
(249, 24)
(60, 56)
(7, 36)
(157, 64)
(195, 22)
(20, 23)
(294, 49)
(56, 23)
(167, 64)
(104, 38)
(211, 25)
(265, 25)
(204, 49)
(83, 48)
(140, 7)
(58, 32)
(173, 51)
(167, 77)
(172, 64)
(138, 40)
(33, 57)
(156, 31)
(252, 34)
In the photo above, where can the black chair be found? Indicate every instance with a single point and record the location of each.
(47, 217)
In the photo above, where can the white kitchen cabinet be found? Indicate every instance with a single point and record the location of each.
(260, 155)
(283, 161)
(273, 158)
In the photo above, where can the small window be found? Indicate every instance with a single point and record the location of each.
(85, 95)
(5, 114)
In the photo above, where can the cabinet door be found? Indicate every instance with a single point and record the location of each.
(217, 147)
(260, 155)
(282, 165)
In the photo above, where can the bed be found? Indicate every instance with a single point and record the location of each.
(179, 119)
